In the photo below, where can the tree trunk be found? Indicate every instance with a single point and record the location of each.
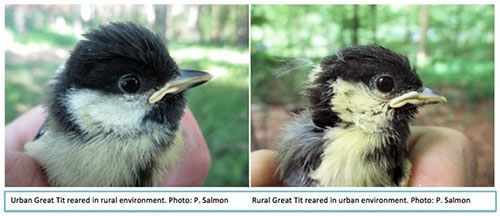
(193, 22)
(343, 26)
(222, 13)
(160, 23)
(458, 29)
(244, 29)
(374, 22)
(355, 25)
(424, 27)
(19, 18)
(408, 26)
(199, 29)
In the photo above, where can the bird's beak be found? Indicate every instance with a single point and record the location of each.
(187, 79)
(424, 97)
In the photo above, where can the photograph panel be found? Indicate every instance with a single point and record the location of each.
(131, 95)
(335, 87)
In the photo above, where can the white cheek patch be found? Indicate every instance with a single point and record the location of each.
(92, 110)
(353, 102)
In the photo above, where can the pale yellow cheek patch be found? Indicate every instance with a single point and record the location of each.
(354, 102)
(344, 159)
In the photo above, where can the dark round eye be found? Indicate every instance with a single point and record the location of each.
(129, 84)
(384, 84)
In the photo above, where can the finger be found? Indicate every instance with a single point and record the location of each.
(195, 161)
(24, 129)
(441, 157)
(264, 169)
(21, 170)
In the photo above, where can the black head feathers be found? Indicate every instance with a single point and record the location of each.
(361, 63)
(358, 64)
(114, 50)
(104, 62)
(126, 40)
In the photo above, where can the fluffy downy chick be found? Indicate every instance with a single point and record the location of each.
(354, 131)
(113, 111)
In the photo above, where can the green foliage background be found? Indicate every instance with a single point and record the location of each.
(39, 44)
(459, 44)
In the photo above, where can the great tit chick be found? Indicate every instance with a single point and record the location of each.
(355, 127)
(113, 111)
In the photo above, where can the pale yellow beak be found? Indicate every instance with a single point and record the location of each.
(187, 79)
(424, 97)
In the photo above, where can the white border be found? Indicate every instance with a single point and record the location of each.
(2, 62)
(254, 2)
(249, 95)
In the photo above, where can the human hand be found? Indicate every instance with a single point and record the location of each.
(440, 157)
(22, 170)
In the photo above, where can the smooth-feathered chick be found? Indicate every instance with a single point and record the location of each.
(113, 111)
(354, 131)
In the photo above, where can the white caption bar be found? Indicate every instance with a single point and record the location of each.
(247, 200)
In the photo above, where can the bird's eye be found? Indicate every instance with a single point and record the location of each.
(384, 83)
(129, 84)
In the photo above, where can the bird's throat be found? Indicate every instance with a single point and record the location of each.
(345, 161)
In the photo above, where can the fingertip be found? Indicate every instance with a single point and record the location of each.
(23, 171)
(194, 164)
(438, 159)
(24, 128)
(263, 169)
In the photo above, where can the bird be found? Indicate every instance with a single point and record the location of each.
(113, 111)
(353, 129)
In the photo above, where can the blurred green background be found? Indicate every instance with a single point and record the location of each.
(450, 46)
(205, 37)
